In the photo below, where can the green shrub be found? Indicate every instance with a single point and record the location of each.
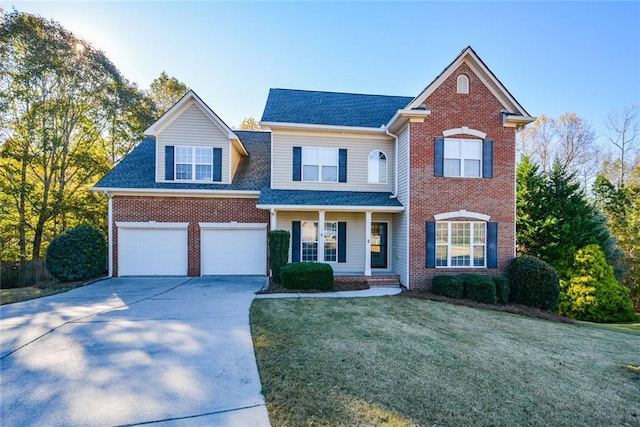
(278, 252)
(307, 275)
(447, 286)
(78, 253)
(533, 282)
(502, 289)
(593, 293)
(479, 288)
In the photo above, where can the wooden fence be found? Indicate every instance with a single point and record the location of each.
(20, 274)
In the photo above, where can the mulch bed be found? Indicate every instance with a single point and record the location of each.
(337, 287)
(522, 310)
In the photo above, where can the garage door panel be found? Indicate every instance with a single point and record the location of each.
(152, 252)
(233, 251)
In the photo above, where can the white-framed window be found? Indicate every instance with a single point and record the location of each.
(461, 243)
(377, 167)
(320, 164)
(309, 241)
(193, 163)
(463, 84)
(463, 157)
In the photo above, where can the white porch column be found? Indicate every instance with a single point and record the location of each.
(273, 219)
(367, 244)
(320, 236)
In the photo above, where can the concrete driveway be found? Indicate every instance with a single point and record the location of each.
(130, 351)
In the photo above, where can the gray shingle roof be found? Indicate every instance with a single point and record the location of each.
(326, 198)
(137, 170)
(331, 108)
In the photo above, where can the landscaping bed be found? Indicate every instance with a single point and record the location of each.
(338, 286)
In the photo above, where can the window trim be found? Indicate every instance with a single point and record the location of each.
(472, 245)
(193, 164)
(377, 160)
(319, 164)
(462, 158)
(317, 241)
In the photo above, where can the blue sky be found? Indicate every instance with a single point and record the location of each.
(553, 57)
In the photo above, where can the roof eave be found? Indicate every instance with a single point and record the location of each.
(333, 208)
(404, 115)
(516, 121)
(311, 126)
(176, 192)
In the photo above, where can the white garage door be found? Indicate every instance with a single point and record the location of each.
(152, 249)
(233, 249)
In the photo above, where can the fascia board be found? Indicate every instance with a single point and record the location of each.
(308, 126)
(177, 192)
(332, 208)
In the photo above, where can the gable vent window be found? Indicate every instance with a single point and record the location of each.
(463, 84)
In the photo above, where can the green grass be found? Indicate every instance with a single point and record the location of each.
(9, 296)
(397, 361)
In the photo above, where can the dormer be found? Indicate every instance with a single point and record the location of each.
(193, 145)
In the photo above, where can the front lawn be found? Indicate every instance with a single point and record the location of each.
(398, 361)
(11, 295)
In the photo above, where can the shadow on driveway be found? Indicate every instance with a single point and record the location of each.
(127, 351)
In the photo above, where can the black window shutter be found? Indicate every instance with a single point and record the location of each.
(342, 165)
(217, 164)
(492, 244)
(297, 163)
(438, 167)
(487, 158)
(431, 244)
(295, 241)
(342, 242)
(168, 162)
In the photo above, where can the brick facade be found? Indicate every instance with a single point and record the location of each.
(479, 110)
(184, 209)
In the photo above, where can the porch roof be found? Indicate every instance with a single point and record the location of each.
(328, 200)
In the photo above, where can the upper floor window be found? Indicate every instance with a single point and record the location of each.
(377, 167)
(460, 244)
(463, 157)
(194, 163)
(463, 84)
(320, 164)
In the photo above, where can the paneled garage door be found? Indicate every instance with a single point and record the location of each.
(233, 248)
(152, 249)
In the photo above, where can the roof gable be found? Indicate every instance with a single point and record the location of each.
(191, 98)
(331, 108)
(469, 57)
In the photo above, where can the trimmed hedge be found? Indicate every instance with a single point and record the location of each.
(278, 252)
(479, 288)
(502, 289)
(447, 286)
(307, 275)
(78, 253)
(533, 282)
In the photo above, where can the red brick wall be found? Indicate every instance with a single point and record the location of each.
(184, 209)
(430, 195)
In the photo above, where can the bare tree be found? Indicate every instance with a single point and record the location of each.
(575, 140)
(536, 142)
(624, 133)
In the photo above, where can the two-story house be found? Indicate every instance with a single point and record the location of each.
(409, 186)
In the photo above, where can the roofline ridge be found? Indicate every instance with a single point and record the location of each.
(341, 93)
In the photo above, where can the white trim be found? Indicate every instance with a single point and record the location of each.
(367, 243)
(110, 231)
(153, 224)
(472, 245)
(232, 225)
(461, 214)
(309, 126)
(464, 131)
(412, 114)
(274, 220)
(331, 208)
(320, 242)
(386, 175)
(180, 192)
(408, 209)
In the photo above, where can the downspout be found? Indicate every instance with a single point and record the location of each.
(394, 195)
(110, 230)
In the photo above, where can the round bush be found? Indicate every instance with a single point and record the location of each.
(78, 253)
(447, 286)
(307, 275)
(533, 282)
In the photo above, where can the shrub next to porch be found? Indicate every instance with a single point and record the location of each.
(307, 275)
(278, 252)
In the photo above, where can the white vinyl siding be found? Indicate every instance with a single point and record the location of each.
(358, 150)
(400, 223)
(235, 160)
(192, 128)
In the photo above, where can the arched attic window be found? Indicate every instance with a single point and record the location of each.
(463, 84)
(377, 167)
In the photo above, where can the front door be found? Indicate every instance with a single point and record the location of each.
(379, 245)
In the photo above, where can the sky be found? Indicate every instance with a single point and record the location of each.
(554, 57)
